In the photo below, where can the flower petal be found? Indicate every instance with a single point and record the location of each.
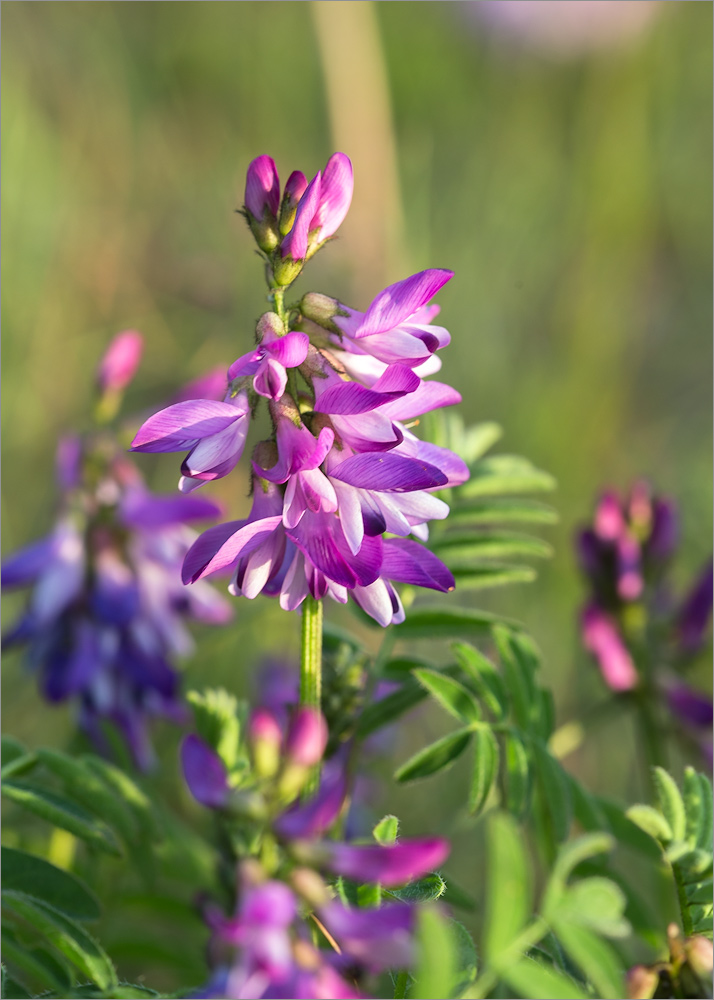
(183, 424)
(389, 472)
(138, 509)
(351, 397)
(262, 187)
(205, 772)
(390, 865)
(409, 562)
(295, 243)
(336, 189)
(400, 301)
(290, 350)
(240, 542)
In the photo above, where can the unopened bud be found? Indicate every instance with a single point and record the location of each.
(286, 270)
(700, 955)
(269, 327)
(307, 737)
(641, 983)
(321, 309)
(265, 740)
(294, 190)
(121, 359)
(262, 199)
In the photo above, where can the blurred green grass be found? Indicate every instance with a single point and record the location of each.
(572, 198)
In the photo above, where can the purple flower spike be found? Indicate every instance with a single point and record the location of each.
(262, 188)
(694, 615)
(121, 359)
(601, 638)
(307, 737)
(205, 773)
(394, 864)
(268, 363)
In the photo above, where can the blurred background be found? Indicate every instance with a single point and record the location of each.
(557, 156)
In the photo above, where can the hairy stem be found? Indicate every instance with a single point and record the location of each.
(311, 666)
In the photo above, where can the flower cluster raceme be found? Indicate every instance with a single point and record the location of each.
(625, 555)
(268, 949)
(107, 609)
(343, 469)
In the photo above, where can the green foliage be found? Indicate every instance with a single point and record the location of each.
(217, 716)
(682, 825)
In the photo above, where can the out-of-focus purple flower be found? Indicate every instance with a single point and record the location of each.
(389, 865)
(120, 362)
(204, 772)
(107, 610)
(565, 27)
(601, 638)
(214, 431)
(307, 737)
(212, 385)
(693, 616)
(693, 708)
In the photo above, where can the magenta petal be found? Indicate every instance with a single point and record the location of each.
(409, 562)
(241, 542)
(181, 425)
(398, 302)
(351, 397)
(336, 189)
(391, 865)
(146, 510)
(204, 549)
(295, 243)
(295, 186)
(205, 773)
(290, 350)
(270, 379)
(602, 639)
(246, 364)
(379, 938)
(389, 472)
(262, 187)
(429, 396)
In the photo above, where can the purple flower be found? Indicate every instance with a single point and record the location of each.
(107, 611)
(267, 364)
(389, 865)
(693, 616)
(214, 431)
(694, 708)
(205, 773)
(602, 639)
(120, 362)
(321, 209)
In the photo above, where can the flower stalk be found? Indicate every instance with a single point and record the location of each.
(311, 668)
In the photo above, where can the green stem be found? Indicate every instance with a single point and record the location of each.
(311, 667)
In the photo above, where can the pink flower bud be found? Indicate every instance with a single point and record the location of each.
(262, 188)
(609, 521)
(294, 190)
(307, 737)
(120, 361)
(641, 982)
(265, 738)
(700, 955)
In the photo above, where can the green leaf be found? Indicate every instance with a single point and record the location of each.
(519, 681)
(485, 770)
(37, 877)
(517, 775)
(27, 961)
(555, 789)
(474, 441)
(693, 805)
(699, 892)
(484, 678)
(451, 695)
(651, 821)
(595, 958)
(466, 958)
(435, 757)
(582, 849)
(596, 903)
(444, 623)
(503, 509)
(216, 714)
(476, 545)
(18, 765)
(436, 950)
(587, 810)
(388, 709)
(62, 813)
(505, 474)
(491, 575)
(424, 890)
(10, 749)
(385, 832)
(399, 668)
(509, 887)
(627, 832)
(670, 802)
(539, 981)
(87, 788)
(65, 934)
